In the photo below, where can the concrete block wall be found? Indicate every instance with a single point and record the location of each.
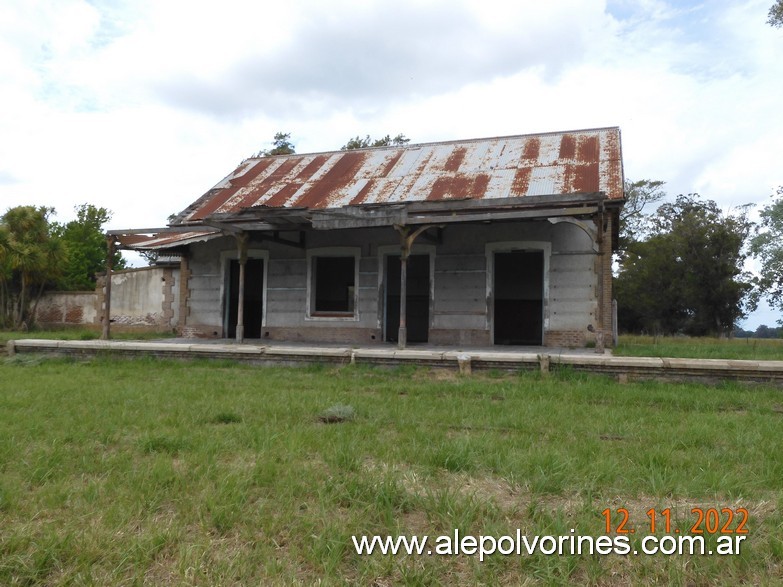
(460, 311)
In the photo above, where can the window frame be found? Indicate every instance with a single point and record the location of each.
(332, 316)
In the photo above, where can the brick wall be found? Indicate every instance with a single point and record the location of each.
(565, 338)
(73, 308)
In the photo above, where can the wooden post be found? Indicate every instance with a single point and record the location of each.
(599, 241)
(184, 273)
(402, 335)
(242, 252)
(406, 243)
(614, 323)
(106, 333)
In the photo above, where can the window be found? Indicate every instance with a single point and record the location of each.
(333, 286)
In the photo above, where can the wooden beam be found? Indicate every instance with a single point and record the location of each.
(106, 330)
(242, 254)
(161, 230)
(223, 226)
(547, 201)
(354, 217)
(500, 215)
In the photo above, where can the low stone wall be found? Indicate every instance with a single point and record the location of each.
(623, 368)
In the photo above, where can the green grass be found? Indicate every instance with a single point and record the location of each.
(131, 472)
(79, 334)
(700, 348)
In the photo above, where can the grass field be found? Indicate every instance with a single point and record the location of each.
(700, 348)
(120, 472)
(79, 334)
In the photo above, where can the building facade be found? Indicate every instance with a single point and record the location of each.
(489, 241)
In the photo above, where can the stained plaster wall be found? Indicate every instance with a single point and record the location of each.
(460, 311)
(141, 298)
(145, 297)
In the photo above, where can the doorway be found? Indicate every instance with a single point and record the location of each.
(518, 316)
(254, 298)
(417, 314)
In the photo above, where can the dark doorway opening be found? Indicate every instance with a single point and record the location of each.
(519, 297)
(417, 314)
(254, 298)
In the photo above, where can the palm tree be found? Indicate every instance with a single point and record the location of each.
(29, 258)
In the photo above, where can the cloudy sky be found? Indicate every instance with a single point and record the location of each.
(140, 106)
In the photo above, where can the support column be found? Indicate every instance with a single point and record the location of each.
(242, 255)
(406, 243)
(402, 335)
(106, 332)
(184, 275)
(604, 282)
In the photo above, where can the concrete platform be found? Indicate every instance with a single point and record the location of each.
(465, 360)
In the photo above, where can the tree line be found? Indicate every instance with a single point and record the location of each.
(38, 254)
(680, 268)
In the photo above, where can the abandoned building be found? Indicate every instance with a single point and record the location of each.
(479, 242)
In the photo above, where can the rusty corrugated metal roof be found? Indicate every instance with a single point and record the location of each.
(164, 240)
(559, 163)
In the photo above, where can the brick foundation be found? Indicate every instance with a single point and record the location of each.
(341, 335)
(184, 296)
(565, 338)
(199, 331)
(168, 297)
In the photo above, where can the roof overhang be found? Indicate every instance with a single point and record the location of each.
(455, 211)
(157, 239)
(261, 220)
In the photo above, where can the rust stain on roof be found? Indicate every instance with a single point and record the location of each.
(240, 178)
(583, 161)
(263, 187)
(391, 163)
(339, 175)
(588, 151)
(455, 159)
(458, 187)
(521, 181)
(582, 178)
(283, 195)
(314, 165)
(361, 197)
(532, 147)
(567, 147)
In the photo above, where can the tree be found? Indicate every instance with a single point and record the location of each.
(765, 331)
(633, 220)
(687, 275)
(767, 246)
(362, 143)
(86, 248)
(31, 257)
(776, 14)
(282, 146)
(649, 288)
